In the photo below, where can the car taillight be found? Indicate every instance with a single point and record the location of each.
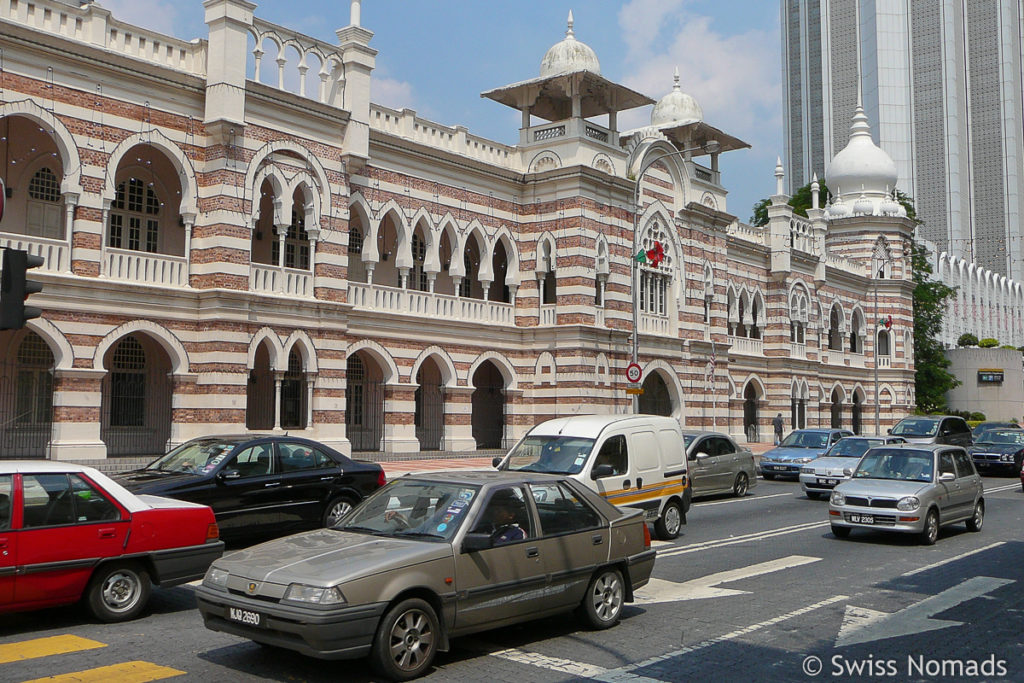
(212, 532)
(647, 536)
(381, 479)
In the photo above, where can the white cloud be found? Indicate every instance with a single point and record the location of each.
(391, 92)
(154, 15)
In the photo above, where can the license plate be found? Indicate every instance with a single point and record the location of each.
(862, 519)
(828, 482)
(779, 467)
(244, 616)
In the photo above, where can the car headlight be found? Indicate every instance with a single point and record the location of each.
(314, 595)
(837, 498)
(216, 578)
(907, 504)
(1006, 457)
(804, 459)
(806, 470)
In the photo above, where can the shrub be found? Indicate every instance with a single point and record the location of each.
(1008, 346)
(1021, 349)
(967, 339)
(988, 343)
(980, 417)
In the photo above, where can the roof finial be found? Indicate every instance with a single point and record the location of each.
(569, 32)
(815, 189)
(676, 86)
(354, 13)
(780, 175)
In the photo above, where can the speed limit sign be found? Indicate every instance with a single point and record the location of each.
(633, 373)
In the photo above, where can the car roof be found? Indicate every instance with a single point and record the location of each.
(933, 447)
(693, 432)
(483, 477)
(817, 431)
(591, 425)
(132, 502)
(865, 438)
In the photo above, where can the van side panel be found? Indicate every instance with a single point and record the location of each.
(673, 453)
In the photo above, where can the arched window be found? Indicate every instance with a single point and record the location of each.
(135, 217)
(355, 240)
(883, 343)
(296, 244)
(293, 394)
(44, 215)
(35, 382)
(466, 285)
(655, 279)
(835, 335)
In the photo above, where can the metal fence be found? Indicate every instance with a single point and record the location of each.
(489, 417)
(26, 411)
(364, 415)
(429, 417)
(136, 412)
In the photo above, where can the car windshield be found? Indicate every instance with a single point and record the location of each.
(1008, 437)
(201, 455)
(888, 463)
(805, 440)
(852, 448)
(915, 427)
(688, 439)
(412, 508)
(554, 454)
(980, 430)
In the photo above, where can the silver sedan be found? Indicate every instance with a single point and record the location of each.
(718, 464)
(821, 475)
(909, 488)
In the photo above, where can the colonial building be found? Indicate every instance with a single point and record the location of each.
(236, 238)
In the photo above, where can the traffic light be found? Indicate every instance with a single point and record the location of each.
(14, 289)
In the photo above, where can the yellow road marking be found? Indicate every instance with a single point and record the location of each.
(45, 647)
(128, 672)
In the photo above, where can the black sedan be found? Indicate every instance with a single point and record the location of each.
(260, 485)
(999, 449)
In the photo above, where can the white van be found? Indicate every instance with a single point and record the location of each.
(634, 461)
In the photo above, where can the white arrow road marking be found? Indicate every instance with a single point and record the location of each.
(862, 625)
(659, 590)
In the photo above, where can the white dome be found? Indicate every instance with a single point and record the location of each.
(568, 56)
(861, 168)
(676, 107)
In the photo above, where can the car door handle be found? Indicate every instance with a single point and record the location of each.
(326, 478)
(597, 539)
(107, 533)
(273, 483)
(532, 552)
(639, 482)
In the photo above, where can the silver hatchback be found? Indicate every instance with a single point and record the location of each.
(909, 488)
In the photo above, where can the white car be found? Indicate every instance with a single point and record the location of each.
(834, 466)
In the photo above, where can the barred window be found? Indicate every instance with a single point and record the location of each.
(34, 383)
(419, 254)
(44, 186)
(296, 244)
(355, 241)
(128, 384)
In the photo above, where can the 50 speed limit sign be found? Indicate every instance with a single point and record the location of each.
(634, 373)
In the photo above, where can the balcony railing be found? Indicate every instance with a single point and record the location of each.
(55, 253)
(797, 350)
(747, 347)
(654, 324)
(274, 280)
(884, 361)
(146, 268)
(548, 314)
(428, 305)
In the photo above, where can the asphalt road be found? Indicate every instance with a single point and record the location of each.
(754, 589)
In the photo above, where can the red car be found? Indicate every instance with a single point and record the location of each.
(69, 532)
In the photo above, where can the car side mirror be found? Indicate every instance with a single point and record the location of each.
(702, 456)
(495, 462)
(224, 475)
(601, 471)
(476, 542)
(947, 476)
(889, 430)
(847, 472)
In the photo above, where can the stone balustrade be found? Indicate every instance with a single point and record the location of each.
(145, 268)
(427, 304)
(275, 280)
(55, 253)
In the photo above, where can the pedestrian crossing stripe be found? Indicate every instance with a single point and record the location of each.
(127, 672)
(45, 647)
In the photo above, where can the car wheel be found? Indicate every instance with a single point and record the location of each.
(768, 477)
(602, 604)
(118, 592)
(978, 518)
(406, 640)
(671, 521)
(930, 533)
(336, 509)
(739, 489)
(840, 531)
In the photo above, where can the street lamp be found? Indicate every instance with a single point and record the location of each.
(878, 263)
(709, 147)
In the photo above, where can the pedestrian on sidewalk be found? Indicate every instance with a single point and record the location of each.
(777, 423)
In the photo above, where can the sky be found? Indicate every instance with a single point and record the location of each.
(437, 56)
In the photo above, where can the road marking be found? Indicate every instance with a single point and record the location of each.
(567, 666)
(1005, 487)
(659, 590)
(740, 500)
(45, 647)
(862, 625)
(128, 672)
(953, 559)
(745, 538)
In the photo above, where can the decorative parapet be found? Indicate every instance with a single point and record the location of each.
(404, 123)
(298, 54)
(845, 264)
(92, 25)
(801, 235)
(747, 233)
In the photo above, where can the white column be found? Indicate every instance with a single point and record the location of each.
(310, 379)
(189, 220)
(278, 377)
(70, 202)
(104, 237)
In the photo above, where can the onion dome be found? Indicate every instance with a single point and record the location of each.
(837, 209)
(891, 207)
(569, 56)
(862, 164)
(863, 206)
(676, 107)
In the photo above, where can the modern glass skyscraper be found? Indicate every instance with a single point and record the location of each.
(941, 82)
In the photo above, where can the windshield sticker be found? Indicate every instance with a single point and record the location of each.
(442, 527)
(466, 494)
(447, 518)
(459, 503)
(454, 510)
(580, 460)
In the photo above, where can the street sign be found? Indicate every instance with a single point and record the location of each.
(636, 391)
(634, 373)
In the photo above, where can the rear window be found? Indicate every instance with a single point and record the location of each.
(916, 427)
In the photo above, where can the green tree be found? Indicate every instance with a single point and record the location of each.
(932, 379)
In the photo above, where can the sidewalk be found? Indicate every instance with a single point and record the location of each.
(400, 467)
